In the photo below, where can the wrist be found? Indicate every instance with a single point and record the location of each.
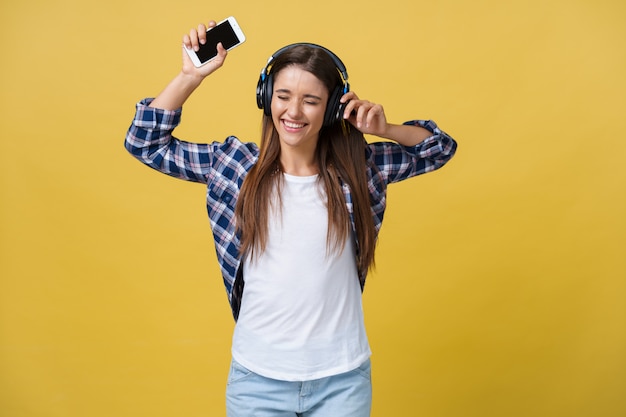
(188, 81)
(388, 131)
(406, 135)
(177, 91)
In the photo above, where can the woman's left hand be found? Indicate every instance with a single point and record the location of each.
(367, 117)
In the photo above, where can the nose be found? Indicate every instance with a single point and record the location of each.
(294, 109)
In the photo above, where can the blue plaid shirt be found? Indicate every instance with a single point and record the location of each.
(222, 166)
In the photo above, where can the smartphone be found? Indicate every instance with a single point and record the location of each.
(227, 31)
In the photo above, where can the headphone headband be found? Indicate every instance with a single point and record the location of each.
(338, 63)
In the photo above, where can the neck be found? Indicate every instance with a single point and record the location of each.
(302, 165)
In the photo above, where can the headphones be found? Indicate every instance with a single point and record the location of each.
(334, 109)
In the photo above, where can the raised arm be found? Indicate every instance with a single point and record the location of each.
(150, 139)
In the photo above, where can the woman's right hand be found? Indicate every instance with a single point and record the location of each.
(193, 40)
(185, 83)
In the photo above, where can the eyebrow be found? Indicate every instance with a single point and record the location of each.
(285, 90)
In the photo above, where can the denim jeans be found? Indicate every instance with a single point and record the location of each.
(345, 395)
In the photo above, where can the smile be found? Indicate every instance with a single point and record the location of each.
(293, 125)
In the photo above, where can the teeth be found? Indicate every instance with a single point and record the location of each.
(293, 125)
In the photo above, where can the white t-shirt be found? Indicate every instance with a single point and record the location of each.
(301, 315)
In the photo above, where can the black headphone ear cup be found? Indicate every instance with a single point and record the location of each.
(333, 109)
(264, 94)
(260, 87)
(268, 91)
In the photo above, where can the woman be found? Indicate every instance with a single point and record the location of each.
(295, 222)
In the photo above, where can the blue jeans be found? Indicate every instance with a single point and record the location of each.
(344, 395)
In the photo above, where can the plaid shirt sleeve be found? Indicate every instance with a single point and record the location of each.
(150, 140)
(397, 162)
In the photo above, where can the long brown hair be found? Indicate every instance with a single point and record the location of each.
(340, 156)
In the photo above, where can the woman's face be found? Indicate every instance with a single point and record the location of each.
(298, 104)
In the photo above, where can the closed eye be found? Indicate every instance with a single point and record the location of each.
(312, 99)
(284, 94)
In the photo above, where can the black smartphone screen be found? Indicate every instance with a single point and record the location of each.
(221, 33)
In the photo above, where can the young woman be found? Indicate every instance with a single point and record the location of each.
(295, 222)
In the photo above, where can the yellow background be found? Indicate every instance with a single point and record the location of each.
(500, 287)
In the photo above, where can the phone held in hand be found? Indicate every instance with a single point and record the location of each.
(227, 31)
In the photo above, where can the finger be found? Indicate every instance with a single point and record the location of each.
(193, 39)
(212, 23)
(347, 112)
(378, 121)
(352, 110)
(187, 41)
(350, 95)
(361, 117)
(372, 114)
(202, 34)
(221, 52)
